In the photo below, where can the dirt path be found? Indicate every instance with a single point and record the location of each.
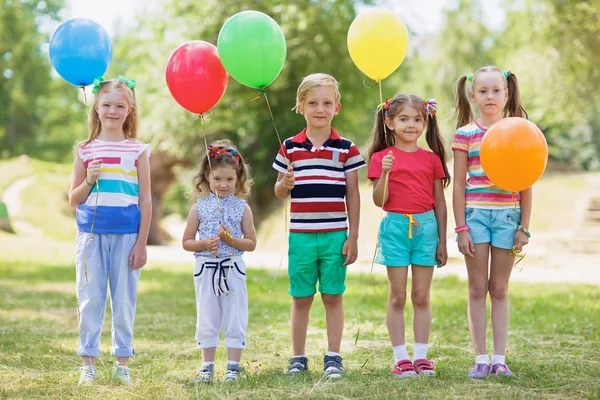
(12, 199)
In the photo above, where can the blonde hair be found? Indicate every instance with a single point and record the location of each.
(130, 126)
(315, 81)
(244, 180)
(512, 108)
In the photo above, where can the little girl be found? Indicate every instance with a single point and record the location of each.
(408, 182)
(486, 216)
(225, 228)
(110, 188)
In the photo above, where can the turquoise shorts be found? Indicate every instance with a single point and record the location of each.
(497, 227)
(396, 248)
(316, 257)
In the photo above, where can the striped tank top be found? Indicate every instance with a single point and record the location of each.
(116, 196)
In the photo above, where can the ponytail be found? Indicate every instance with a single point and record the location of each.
(382, 138)
(514, 106)
(436, 144)
(462, 107)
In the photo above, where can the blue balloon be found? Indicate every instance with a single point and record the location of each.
(80, 51)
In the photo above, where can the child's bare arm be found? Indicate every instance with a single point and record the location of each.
(189, 241)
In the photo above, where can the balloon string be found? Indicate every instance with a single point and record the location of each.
(84, 94)
(286, 201)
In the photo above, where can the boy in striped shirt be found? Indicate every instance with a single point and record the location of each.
(319, 169)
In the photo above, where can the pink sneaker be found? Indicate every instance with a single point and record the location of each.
(501, 370)
(480, 371)
(405, 369)
(424, 367)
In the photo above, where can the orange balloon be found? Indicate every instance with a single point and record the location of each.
(514, 154)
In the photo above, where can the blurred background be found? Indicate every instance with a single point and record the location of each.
(551, 46)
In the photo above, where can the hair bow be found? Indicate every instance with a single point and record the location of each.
(217, 152)
(385, 106)
(430, 107)
(470, 78)
(506, 73)
(97, 82)
(128, 81)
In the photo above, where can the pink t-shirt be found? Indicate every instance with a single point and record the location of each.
(410, 184)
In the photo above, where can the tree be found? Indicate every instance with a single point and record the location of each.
(24, 71)
(316, 42)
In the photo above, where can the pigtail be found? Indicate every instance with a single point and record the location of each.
(514, 106)
(436, 144)
(381, 138)
(244, 180)
(462, 107)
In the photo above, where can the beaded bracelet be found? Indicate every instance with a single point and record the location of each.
(461, 228)
(525, 231)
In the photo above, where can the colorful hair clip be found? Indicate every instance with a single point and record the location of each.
(506, 73)
(470, 78)
(217, 152)
(385, 106)
(430, 106)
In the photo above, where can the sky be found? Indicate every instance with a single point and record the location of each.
(423, 16)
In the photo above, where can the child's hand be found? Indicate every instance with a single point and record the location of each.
(93, 171)
(138, 256)
(521, 240)
(225, 234)
(465, 244)
(211, 244)
(288, 179)
(387, 162)
(350, 251)
(442, 254)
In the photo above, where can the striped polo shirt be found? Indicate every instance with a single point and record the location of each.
(116, 196)
(481, 192)
(320, 181)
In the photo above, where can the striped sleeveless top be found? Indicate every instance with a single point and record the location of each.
(115, 197)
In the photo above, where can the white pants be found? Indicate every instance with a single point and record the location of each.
(221, 300)
(99, 262)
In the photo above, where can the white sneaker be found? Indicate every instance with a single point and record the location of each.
(121, 374)
(233, 372)
(205, 374)
(88, 374)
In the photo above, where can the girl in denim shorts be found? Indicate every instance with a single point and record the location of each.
(492, 224)
(408, 183)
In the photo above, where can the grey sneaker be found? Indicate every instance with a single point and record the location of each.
(233, 372)
(332, 365)
(205, 374)
(121, 374)
(298, 365)
(88, 374)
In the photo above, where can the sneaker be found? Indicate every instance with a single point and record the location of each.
(480, 371)
(205, 374)
(298, 365)
(332, 366)
(233, 372)
(424, 367)
(405, 369)
(501, 370)
(88, 374)
(121, 374)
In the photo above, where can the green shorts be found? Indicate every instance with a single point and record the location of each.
(316, 256)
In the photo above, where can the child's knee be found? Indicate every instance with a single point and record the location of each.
(397, 300)
(331, 300)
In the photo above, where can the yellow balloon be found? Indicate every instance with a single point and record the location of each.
(377, 42)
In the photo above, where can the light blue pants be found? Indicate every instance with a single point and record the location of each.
(98, 262)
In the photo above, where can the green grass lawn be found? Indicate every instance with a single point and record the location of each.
(554, 341)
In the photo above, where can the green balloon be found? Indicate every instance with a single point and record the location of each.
(252, 48)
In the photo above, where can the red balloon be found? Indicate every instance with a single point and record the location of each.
(195, 76)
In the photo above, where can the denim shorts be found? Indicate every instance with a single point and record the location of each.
(395, 248)
(496, 227)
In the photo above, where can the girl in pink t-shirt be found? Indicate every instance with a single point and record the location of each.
(408, 183)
